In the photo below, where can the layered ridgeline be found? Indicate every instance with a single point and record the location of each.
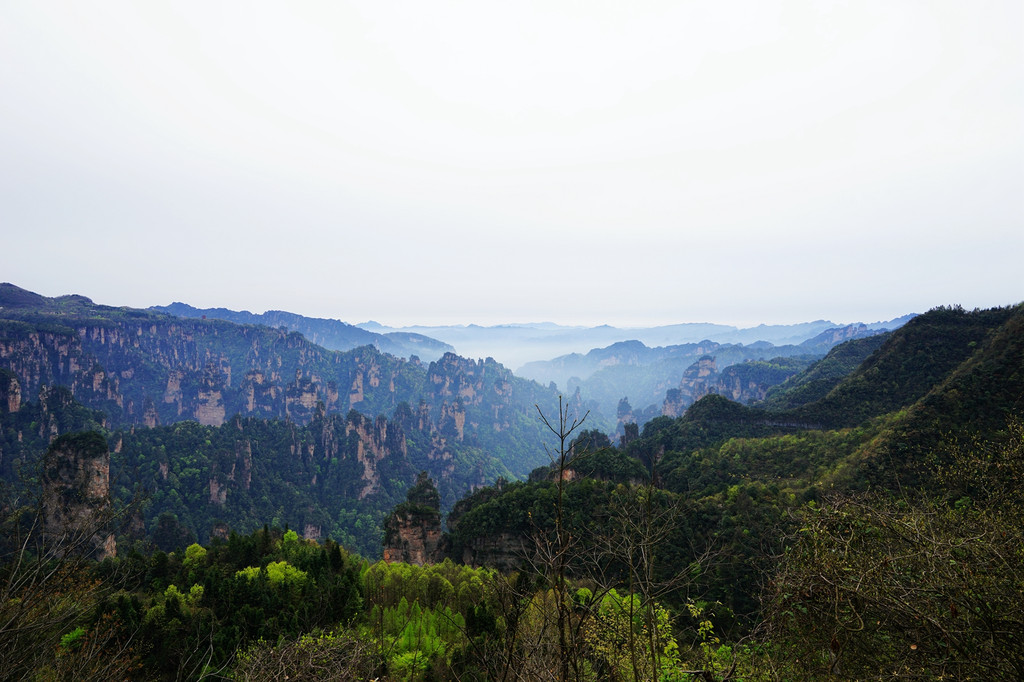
(665, 380)
(317, 439)
(331, 334)
(517, 345)
(874, 414)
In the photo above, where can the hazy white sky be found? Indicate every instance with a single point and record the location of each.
(582, 162)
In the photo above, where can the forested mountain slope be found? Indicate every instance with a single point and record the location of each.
(911, 361)
(740, 471)
(822, 377)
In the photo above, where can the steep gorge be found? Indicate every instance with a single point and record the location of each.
(379, 419)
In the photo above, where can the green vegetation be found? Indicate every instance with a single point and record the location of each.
(26, 434)
(920, 585)
(823, 376)
(870, 530)
(911, 362)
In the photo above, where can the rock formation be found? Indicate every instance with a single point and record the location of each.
(743, 382)
(10, 392)
(76, 495)
(413, 532)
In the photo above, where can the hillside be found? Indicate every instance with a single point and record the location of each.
(910, 362)
(741, 471)
(146, 368)
(823, 376)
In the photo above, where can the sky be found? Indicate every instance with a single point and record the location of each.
(443, 162)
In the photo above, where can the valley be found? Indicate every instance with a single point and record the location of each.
(204, 448)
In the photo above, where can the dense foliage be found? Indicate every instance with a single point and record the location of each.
(910, 363)
(814, 384)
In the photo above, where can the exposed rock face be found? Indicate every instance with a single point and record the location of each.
(262, 395)
(459, 384)
(311, 531)
(442, 460)
(743, 382)
(674, 404)
(833, 337)
(163, 370)
(150, 418)
(172, 394)
(413, 532)
(304, 394)
(142, 369)
(698, 379)
(505, 547)
(210, 410)
(453, 420)
(375, 443)
(413, 538)
(220, 531)
(10, 392)
(733, 386)
(623, 415)
(503, 551)
(218, 493)
(76, 494)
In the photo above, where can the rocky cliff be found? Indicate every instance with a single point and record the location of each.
(504, 551)
(10, 392)
(27, 431)
(331, 463)
(144, 369)
(188, 369)
(76, 495)
(744, 382)
(412, 534)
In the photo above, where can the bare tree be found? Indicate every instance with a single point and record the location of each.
(557, 550)
(338, 657)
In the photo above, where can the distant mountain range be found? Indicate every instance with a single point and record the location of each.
(515, 345)
(665, 380)
(519, 345)
(605, 364)
(331, 334)
(639, 363)
(239, 423)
